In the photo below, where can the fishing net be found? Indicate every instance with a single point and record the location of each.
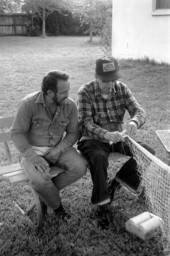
(156, 183)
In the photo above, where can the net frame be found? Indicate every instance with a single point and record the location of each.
(156, 183)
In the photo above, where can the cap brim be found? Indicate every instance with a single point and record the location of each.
(110, 77)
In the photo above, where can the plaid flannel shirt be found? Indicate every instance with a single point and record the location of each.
(97, 115)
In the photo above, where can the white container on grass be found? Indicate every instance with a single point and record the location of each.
(144, 225)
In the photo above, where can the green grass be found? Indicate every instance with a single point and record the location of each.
(24, 61)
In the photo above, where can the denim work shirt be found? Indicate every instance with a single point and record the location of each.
(98, 115)
(34, 125)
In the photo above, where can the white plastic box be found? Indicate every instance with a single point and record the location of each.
(144, 225)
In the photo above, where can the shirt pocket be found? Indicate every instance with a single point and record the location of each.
(100, 118)
(40, 122)
(40, 126)
(63, 125)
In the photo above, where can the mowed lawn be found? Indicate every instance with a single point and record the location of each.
(23, 63)
(25, 60)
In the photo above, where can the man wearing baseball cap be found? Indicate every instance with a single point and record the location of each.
(102, 104)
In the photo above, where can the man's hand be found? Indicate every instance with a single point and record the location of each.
(40, 164)
(132, 128)
(113, 136)
(53, 155)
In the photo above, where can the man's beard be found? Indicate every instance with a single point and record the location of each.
(59, 103)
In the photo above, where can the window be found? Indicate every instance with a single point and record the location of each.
(162, 4)
(161, 7)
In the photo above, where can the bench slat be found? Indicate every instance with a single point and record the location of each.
(5, 136)
(10, 174)
(20, 177)
(10, 168)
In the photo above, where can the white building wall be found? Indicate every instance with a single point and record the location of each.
(139, 34)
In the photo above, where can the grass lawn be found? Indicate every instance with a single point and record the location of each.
(24, 61)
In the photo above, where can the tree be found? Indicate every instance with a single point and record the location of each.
(43, 8)
(92, 12)
(10, 6)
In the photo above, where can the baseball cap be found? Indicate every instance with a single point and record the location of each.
(107, 69)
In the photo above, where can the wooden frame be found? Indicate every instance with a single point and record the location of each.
(13, 172)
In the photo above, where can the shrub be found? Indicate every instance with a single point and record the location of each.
(64, 24)
(33, 26)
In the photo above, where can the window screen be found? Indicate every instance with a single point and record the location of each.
(162, 4)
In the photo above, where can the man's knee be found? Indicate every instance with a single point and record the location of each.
(74, 162)
(81, 166)
(38, 180)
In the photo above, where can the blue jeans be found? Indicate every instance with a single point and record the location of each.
(71, 168)
(97, 153)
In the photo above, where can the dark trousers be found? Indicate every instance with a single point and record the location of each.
(97, 153)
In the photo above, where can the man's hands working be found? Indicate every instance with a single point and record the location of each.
(119, 136)
(113, 136)
(131, 128)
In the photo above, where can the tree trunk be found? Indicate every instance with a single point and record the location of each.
(32, 20)
(91, 31)
(43, 23)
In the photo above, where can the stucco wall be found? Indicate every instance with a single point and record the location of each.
(139, 34)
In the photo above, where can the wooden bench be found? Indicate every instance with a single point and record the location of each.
(14, 173)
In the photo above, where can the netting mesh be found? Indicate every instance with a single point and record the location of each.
(156, 182)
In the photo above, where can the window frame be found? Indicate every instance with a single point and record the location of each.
(159, 12)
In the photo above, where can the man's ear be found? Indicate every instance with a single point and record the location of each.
(49, 92)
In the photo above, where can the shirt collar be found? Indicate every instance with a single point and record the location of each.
(40, 98)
